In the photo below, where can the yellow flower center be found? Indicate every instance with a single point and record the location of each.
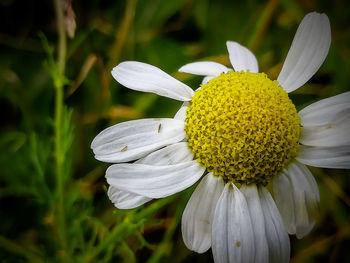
(243, 127)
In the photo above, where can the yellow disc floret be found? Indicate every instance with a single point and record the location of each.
(243, 127)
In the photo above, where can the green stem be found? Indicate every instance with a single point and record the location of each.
(59, 156)
(122, 34)
(128, 226)
(262, 25)
(62, 38)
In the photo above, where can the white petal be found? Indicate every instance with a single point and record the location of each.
(181, 113)
(282, 189)
(125, 200)
(131, 140)
(327, 135)
(204, 68)
(144, 77)
(198, 215)
(154, 181)
(172, 154)
(207, 79)
(276, 234)
(257, 218)
(303, 194)
(241, 58)
(232, 234)
(306, 197)
(308, 51)
(325, 157)
(332, 110)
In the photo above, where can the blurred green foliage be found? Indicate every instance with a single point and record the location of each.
(54, 206)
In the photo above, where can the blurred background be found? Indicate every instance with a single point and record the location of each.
(56, 94)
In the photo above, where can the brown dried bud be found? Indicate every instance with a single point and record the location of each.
(69, 18)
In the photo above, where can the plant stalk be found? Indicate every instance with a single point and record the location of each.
(59, 155)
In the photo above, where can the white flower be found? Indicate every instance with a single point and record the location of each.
(242, 128)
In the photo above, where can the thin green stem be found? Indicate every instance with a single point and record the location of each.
(62, 38)
(59, 161)
(120, 39)
(122, 34)
(59, 155)
(262, 25)
(128, 226)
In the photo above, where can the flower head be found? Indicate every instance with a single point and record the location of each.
(242, 132)
(243, 127)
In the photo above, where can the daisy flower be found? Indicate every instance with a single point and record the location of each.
(242, 136)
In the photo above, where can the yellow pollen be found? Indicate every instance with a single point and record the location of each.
(243, 127)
